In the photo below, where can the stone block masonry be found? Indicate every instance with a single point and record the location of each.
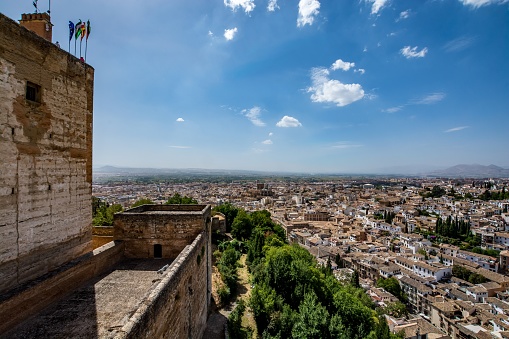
(46, 104)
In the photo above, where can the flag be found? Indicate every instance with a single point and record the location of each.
(78, 30)
(71, 30)
(88, 28)
(35, 5)
(83, 30)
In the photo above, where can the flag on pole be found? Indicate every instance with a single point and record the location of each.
(83, 30)
(35, 5)
(88, 28)
(77, 30)
(71, 30)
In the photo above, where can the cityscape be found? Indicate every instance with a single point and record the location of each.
(380, 227)
(254, 169)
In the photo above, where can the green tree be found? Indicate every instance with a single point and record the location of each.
(242, 226)
(392, 286)
(312, 321)
(177, 199)
(143, 201)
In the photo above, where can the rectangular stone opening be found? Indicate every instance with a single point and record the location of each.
(33, 92)
(158, 251)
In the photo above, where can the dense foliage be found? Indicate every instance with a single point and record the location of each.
(392, 286)
(227, 258)
(102, 212)
(178, 199)
(465, 274)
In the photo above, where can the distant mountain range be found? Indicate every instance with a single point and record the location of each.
(458, 171)
(472, 171)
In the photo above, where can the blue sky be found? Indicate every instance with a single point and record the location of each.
(302, 86)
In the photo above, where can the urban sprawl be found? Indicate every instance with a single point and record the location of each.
(445, 241)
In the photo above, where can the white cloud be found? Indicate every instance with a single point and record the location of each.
(360, 70)
(377, 5)
(180, 147)
(365, 49)
(345, 145)
(287, 121)
(393, 109)
(430, 99)
(210, 33)
(247, 5)
(480, 3)
(229, 34)
(267, 142)
(458, 44)
(455, 129)
(272, 6)
(180, 120)
(411, 52)
(253, 115)
(344, 65)
(271, 134)
(404, 14)
(334, 91)
(308, 9)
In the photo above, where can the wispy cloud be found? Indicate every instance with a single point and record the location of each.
(328, 90)
(272, 6)
(246, 5)
(479, 3)
(345, 145)
(360, 70)
(308, 10)
(377, 5)
(180, 147)
(458, 44)
(253, 114)
(429, 99)
(455, 129)
(343, 65)
(393, 109)
(404, 15)
(411, 52)
(267, 142)
(229, 34)
(180, 120)
(287, 121)
(425, 100)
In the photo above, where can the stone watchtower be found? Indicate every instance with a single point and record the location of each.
(46, 103)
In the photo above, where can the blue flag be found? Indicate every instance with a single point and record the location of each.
(71, 30)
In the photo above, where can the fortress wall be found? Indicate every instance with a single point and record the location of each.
(178, 306)
(172, 226)
(46, 156)
(101, 235)
(28, 300)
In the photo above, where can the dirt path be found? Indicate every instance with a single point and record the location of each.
(218, 317)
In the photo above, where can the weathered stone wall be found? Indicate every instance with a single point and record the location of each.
(30, 298)
(101, 235)
(178, 306)
(171, 226)
(46, 156)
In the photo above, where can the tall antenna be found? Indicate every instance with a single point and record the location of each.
(49, 7)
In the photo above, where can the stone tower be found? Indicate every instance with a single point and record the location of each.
(46, 103)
